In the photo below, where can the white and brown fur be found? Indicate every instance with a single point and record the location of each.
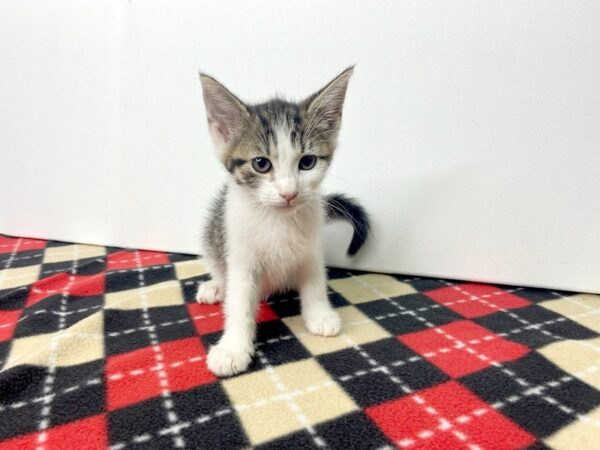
(264, 233)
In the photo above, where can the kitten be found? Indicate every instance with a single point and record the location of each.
(265, 229)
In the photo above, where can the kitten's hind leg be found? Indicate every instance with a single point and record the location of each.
(213, 290)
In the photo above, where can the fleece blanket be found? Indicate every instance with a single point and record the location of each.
(104, 347)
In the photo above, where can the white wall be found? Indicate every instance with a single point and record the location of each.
(471, 131)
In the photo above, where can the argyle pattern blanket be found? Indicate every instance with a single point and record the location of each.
(104, 347)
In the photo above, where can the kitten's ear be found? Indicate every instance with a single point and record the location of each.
(224, 111)
(325, 107)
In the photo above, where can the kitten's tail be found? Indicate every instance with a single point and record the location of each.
(340, 206)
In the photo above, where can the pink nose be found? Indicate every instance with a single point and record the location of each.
(289, 197)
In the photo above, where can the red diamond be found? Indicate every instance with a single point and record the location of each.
(447, 416)
(90, 433)
(146, 373)
(475, 300)
(462, 347)
(132, 260)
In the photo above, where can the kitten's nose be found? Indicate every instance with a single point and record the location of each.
(289, 196)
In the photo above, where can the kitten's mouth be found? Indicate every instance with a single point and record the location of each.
(287, 206)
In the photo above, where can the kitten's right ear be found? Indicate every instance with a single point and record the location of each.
(224, 111)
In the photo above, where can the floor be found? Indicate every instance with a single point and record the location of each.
(104, 347)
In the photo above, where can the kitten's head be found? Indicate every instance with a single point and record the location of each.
(278, 151)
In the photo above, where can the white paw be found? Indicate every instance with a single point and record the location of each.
(224, 361)
(326, 323)
(210, 292)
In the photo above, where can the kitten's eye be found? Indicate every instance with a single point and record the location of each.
(307, 162)
(261, 165)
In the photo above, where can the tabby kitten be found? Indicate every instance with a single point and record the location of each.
(264, 233)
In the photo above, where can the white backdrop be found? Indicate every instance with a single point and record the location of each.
(471, 130)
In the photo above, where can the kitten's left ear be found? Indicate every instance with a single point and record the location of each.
(225, 112)
(325, 107)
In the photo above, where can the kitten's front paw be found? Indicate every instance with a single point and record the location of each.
(210, 292)
(224, 361)
(326, 323)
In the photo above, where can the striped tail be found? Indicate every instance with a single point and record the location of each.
(340, 206)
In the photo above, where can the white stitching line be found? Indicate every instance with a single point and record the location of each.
(155, 368)
(169, 284)
(444, 424)
(433, 353)
(552, 401)
(4, 271)
(112, 376)
(299, 392)
(228, 410)
(44, 422)
(67, 390)
(22, 243)
(154, 288)
(378, 318)
(140, 371)
(551, 321)
(86, 249)
(285, 396)
(439, 305)
(122, 261)
(108, 270)
(56, 291)
(47, 272)
(290, 336)
(408, 280)
(284, 299)
(47, 398)
(67, 333)
(10, 259)
(23, 258)
(292, 405)
(142, 269)
(520, 380)
(49, 311)
(538, 389)
(9, 262)
(163, 378)
(275, 301)
(524, 321)
(163, 324)
(511, 399)
(163, 285)
(428, 433)
(477, 298)
(363, 372)
(89, 260)
(137, 292)
(548, 399)
(259, 403)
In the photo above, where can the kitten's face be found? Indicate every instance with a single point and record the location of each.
(277, 151)
(277, 157)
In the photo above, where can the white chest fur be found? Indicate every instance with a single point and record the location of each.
(275, 244)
